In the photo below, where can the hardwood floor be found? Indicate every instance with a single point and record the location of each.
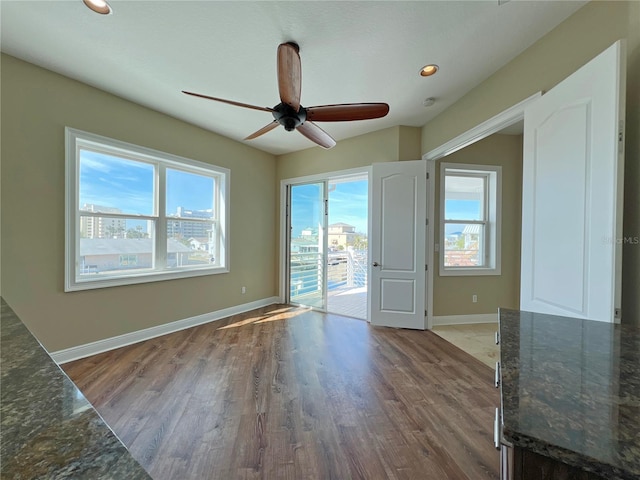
(286, 393)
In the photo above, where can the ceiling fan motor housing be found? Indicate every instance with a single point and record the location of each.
(286, 116)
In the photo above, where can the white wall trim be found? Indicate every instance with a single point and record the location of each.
(465, 319)
(493, 125)
(430, 256)
(100, 346)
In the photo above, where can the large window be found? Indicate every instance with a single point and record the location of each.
(469, 219)
(138, 215)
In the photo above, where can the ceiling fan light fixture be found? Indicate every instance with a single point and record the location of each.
(99, 6)
(293, 116)
(429, 70)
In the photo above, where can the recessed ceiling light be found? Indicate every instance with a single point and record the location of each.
(99, 6)
(429, 70)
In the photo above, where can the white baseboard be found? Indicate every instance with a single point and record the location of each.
(465, 319)
(99, 346)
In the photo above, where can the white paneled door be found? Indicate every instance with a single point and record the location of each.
(397, 248)
(572, 193)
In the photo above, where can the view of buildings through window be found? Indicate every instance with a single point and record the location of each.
(469, 218)
(137, 212)
(464, 219)
(189, 242)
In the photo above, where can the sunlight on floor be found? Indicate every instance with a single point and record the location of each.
(476, 339)
(280, 314)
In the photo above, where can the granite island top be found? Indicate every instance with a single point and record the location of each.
(571, 391)
(49, 430)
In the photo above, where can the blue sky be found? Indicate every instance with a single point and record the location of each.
(348, 203)
(306, 207)
(461, 210)
(128, 185)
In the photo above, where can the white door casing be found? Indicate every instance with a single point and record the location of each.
(397, 244)
(572, 193)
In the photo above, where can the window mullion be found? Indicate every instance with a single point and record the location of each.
(161, 223)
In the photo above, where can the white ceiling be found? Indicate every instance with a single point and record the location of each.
(364, 51)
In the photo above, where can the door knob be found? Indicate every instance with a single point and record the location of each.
(376, 264)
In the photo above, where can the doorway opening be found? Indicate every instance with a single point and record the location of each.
(327, 244)
(347, 241)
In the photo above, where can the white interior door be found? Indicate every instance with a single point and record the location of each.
(572, 193)
(397, 244)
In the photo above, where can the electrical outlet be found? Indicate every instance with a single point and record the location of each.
(243, 290)
(474, 298)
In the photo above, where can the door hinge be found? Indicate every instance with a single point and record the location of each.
(326, 207)
(427, 175)
(621, 137)
(426, 267)
(425, 313)
(427, 222)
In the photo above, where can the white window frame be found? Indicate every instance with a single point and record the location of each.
(76, 140)
(492, 218)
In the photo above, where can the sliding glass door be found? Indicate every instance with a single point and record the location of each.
(327, 247)
(307, 223)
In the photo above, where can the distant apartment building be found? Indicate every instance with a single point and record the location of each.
(178, 227)
(101, 227)
(309, 233)
(117, 254)
(341, 235)
(301, 245)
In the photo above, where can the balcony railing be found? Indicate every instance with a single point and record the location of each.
(344, 269)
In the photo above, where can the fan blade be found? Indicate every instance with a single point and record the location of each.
(263, 130)
(347, 112)
(289, 75)
(316, 134)
(230, 102)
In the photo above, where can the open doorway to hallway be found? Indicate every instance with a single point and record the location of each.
(347, 242)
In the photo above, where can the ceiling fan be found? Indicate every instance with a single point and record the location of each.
(293, 116)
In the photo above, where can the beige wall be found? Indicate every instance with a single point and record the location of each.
(36, 106)
(388, 145)
(573, 43)
(452, 295)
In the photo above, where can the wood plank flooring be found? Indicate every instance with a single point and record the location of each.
(287, 393)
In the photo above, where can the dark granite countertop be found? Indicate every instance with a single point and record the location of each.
(49, 430)
(571, 391)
